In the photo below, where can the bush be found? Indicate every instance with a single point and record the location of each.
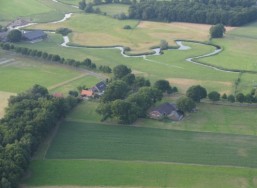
(127, 27)
(185, 104)
(63, 31)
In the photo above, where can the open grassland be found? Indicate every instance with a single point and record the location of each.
(113, 9)
(94, 173)
(208, 118)
(171, 65)
(71, 2)
(4, 96)
(22, 73)
(95, 141)
(97, 30)
(64, 88)
(33, 10)
(86, 111)
(212, 118)
(239, 49)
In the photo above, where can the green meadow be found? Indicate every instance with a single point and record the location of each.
(113, 9)
(171, 65)
(76, 140)
(33, 10)
(97, 173)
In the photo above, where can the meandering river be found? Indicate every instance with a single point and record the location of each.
(156, 51)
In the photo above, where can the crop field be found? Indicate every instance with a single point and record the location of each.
(97, 173)
(77, 140)
(33, 10)
(143, 35)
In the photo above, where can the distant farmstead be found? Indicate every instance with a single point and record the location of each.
(99, 88)
(34, 36)
(168, 110)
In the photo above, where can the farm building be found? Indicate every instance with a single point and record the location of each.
(34, 36)
(168, 110)
(86, 93)
(99, 88)
(58, 95)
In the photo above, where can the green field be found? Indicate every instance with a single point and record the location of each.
(95, 173)
(94, 141)
(239, 49)
(171, 66)
(208, 118)
(87, 30)
(113, 9)
(33, 10)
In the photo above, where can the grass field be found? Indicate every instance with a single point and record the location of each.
(22, 73)
(208, 118)
(94, 173)
(171, 66)
(33, 10)
(87, 30)
(239, 49)
(113, 9)
(95, 141)
(64, 88)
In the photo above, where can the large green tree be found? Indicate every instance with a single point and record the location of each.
(196, 93)
(121, 71)
(214, 96)
(185, 104)
(115, 90)
(14, 35)
(217, 31)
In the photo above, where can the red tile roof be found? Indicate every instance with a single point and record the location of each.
(87, 93)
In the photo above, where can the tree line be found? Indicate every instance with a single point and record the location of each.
(87, 63)
(229, 12)
(28, 120)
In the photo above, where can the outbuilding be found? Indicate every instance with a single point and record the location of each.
(34, 36)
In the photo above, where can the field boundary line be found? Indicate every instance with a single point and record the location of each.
(137, 124)
(151, 162)
(67, 81)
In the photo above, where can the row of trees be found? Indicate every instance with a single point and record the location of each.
(127, 97)
(196, 93)
(28, 119)
(196, 11)
(87, 63)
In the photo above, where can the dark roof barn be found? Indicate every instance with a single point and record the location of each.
(34, 35)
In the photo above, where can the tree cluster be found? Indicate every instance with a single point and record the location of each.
(87, 63)
(235, 13)
(28, 119)
(128, 97)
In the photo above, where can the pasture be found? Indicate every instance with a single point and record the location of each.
(20, 73)
(239, 49)
(33, 10)
(88, 30)
(208, 118)
(171, 65)
(77, 140)
(113, 9)
(100, 173)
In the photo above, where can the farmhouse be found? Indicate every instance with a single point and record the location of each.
(86, 93)
(99, 88)
(166, 110)
(34, 36)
